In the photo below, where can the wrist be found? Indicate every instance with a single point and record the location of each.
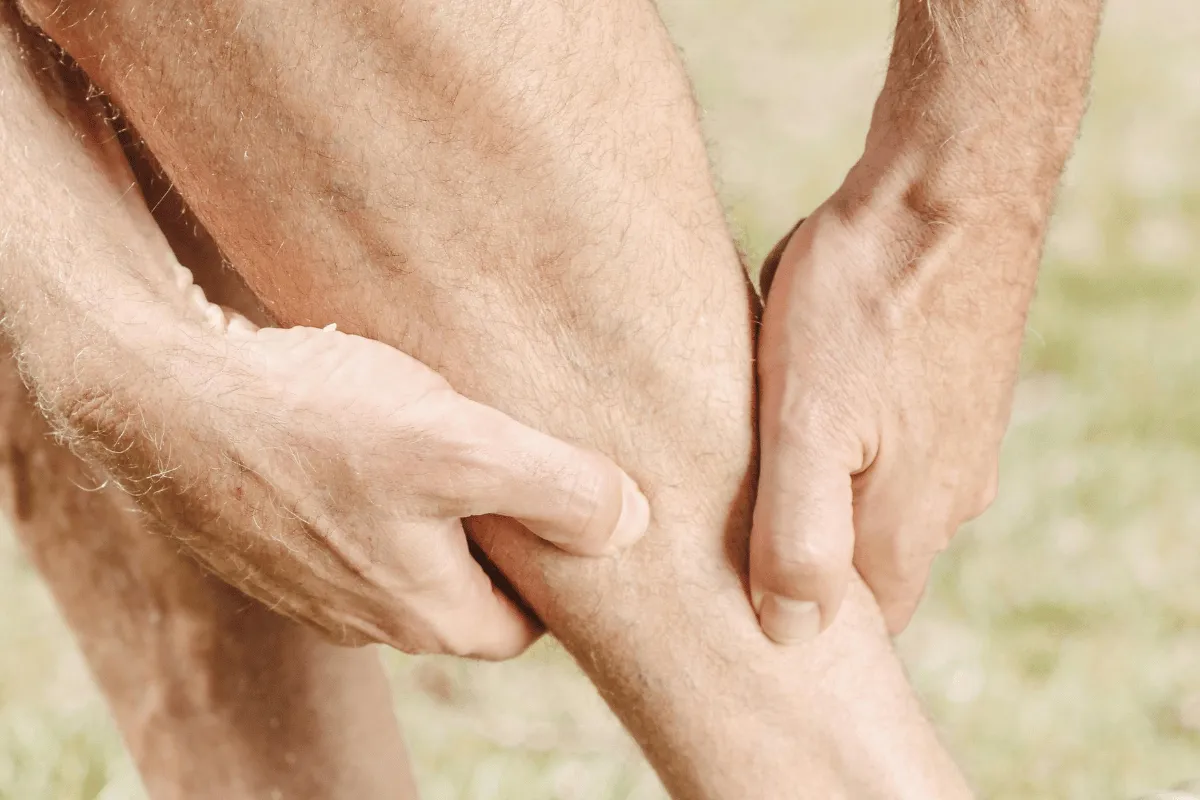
(911, 188)
(908, 217)
(966, 163)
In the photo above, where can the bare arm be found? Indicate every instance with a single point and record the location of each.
(895, 314)
(986, 96)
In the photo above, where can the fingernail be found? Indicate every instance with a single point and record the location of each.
(789, 621)
(635, 517)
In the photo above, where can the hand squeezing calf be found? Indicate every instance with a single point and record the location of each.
(322, 473)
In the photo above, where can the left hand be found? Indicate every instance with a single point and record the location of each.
(887, 359)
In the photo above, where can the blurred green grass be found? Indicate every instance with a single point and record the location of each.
(1059, 648)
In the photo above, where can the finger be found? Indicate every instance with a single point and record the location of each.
(461, 611)
(897, 544)
(802, 540)
(500, 630)
(897, 587)
(573, 497)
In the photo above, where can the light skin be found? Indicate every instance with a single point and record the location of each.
(321, 473)
(895, 313)
(215, 695)
(569, 300)
(550, 253)
(889, 351)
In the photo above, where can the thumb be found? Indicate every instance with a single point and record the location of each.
(573, 497)
(802, 540)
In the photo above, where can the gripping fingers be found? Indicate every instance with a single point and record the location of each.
(573, 497)
(895, 560)
(456, 610)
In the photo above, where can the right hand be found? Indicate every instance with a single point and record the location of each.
(327, 475)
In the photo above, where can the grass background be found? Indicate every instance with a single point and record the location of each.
(1059, 649)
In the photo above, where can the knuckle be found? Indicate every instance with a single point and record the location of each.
(448, 638)
(797, 560)
(580, 507)
(985, 495)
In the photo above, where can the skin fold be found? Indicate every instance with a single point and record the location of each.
(518, 196)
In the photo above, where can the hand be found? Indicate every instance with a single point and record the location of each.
(323, 474)
(887, 359)
(326, 475)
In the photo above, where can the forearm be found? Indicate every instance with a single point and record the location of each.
(214, 694)
(532, 216)
(81, 260)
(981, 106)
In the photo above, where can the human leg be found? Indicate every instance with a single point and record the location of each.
(519, 197)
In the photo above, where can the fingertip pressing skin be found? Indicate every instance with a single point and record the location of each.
(787, 621)
(462, 613)
(506, 632)
(634, 520)
(573, 497)
(797, 583)
(582, 524)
